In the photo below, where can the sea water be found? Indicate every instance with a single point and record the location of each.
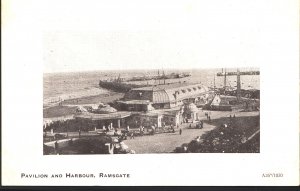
(63, 86)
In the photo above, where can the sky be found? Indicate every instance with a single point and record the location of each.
(77, 51)
(175, 35)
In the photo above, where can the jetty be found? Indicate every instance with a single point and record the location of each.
(235, 73)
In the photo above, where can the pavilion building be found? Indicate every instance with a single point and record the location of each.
(163, 96)
(159, 105)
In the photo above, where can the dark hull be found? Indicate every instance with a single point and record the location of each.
(171, 76)
(118, 86)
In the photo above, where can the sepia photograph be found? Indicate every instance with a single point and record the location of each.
(152, 111)
(150, 93)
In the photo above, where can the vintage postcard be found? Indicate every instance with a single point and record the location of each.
(169, 93)
(190, 111)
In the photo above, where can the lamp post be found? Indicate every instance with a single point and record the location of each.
(79, 129)
(67, 131)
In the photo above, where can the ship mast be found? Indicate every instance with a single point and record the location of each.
(224, 80)
(238, 91)
(214, 83)
(119, 78)
(158, 77)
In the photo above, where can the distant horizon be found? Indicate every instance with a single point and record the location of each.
(160, 69)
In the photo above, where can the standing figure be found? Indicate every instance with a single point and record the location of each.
(153, 130)
(56, 147)
(131, 135)
(180, 131)
(142, 132)
(127, 128)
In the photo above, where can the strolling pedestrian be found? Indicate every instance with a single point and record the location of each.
(209, 118)
(132, 135)
(153, 130)
(142, 130)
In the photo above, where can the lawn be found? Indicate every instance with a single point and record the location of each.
(68, 107)
(58, 111)
(103, 98)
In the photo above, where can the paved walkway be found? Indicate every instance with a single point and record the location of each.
(167, 142)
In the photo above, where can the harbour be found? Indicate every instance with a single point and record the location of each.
(149, 109)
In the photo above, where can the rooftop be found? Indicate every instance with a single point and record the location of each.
(167, 92)
(136, 102)
(93, 116)
(150, 114)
